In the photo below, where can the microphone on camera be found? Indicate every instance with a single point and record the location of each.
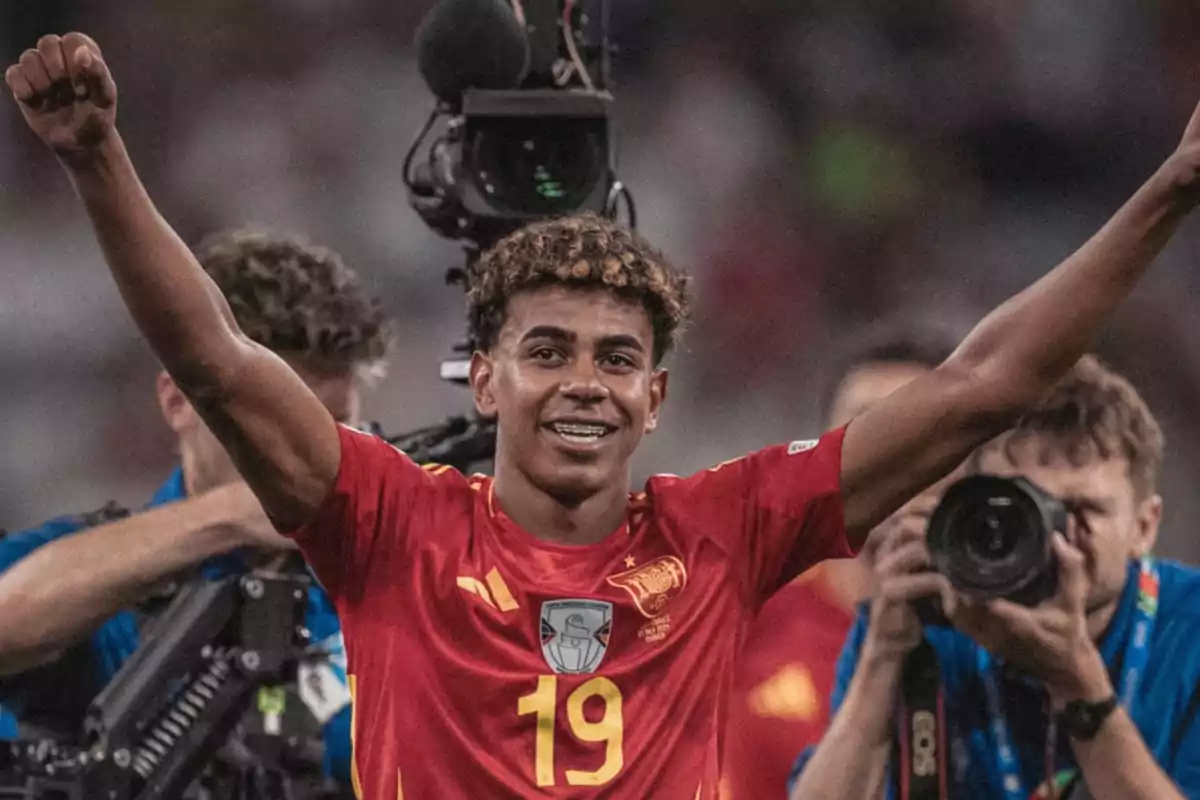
(471, 44)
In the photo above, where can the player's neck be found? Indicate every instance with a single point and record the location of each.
(549, 519)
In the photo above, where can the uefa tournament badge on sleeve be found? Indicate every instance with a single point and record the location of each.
(801, 446)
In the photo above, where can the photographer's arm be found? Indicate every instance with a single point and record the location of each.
(850, 763)
(284, 441)
(1016, 354)
(851, 760)
(60, 592)
(1116, 765)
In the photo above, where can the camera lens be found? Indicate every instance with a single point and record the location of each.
(529, 167)
(991, 536)
(991, 533)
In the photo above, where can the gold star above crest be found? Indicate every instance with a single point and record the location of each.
(630, 562)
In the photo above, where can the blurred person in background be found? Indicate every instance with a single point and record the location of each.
(73, 592)
(478, 611)
(785, 672)
(1111, 662)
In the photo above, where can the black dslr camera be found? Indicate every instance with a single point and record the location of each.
(992, 537)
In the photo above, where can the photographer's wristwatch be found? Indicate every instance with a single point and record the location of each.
(1082, 719)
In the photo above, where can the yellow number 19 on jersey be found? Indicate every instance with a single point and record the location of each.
(610, 728)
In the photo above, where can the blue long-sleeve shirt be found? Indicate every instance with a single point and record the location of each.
(117, 637)
(1164, 708)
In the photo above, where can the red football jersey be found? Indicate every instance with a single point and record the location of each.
(781, 688)
(486, 663)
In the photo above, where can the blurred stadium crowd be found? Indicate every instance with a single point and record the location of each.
(820, 165)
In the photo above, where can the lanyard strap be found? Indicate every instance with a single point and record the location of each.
(1137, 654)
(1137, 650)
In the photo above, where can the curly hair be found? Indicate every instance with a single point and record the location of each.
(1094, 412)
(298, 299)
(584, 251)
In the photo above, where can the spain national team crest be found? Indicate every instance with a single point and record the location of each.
(575, 634)
(654, 584)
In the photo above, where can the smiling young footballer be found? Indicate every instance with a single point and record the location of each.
(545, 633)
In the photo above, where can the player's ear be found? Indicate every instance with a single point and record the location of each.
(176, 408)
(658, 393)
(482, 372)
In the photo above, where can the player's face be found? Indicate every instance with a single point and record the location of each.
(572, 384)
(206, 464)
(1118, 527)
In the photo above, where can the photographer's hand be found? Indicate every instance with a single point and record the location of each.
(900, 575)
(851, 761)
(1051, 642)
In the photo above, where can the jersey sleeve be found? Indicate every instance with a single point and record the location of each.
(796, 519)
(368, 509)
(777, 511)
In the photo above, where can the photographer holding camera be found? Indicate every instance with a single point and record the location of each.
(1092, 689)
(73, 591)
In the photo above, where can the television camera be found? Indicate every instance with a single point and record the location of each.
(522, 127)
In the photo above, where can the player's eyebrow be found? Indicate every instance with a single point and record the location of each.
(548, 332)
(610, 342)
(622, 340)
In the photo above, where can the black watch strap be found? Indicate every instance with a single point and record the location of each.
(1082, 719)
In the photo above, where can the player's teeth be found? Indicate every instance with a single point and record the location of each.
(580, 439)
(580, 431)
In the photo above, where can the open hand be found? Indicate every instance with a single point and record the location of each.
(66, 94)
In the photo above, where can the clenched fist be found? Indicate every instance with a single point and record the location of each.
(66, 94)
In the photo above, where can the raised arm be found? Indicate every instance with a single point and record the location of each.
(1014, 356)
(56, 595)
(281, 437)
